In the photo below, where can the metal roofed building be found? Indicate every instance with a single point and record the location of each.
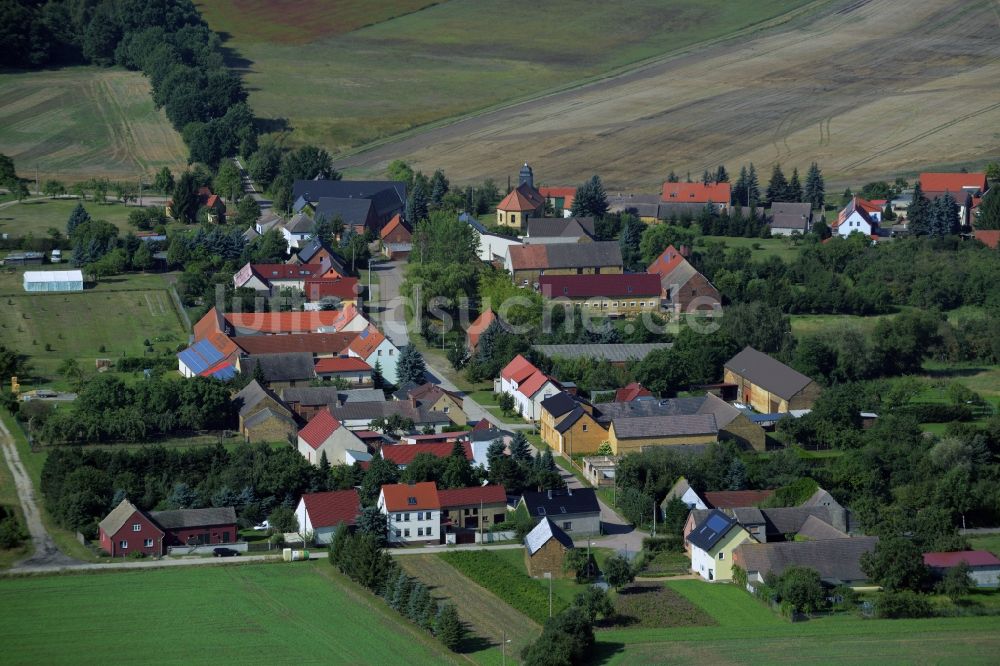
(613, 353)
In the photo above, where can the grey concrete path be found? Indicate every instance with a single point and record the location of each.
(431, 550)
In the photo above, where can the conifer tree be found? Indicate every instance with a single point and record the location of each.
(416, 204)
(672, 177)
(519, 447)
(777, 188)
(447, 627)
(753, 186)
(989, 210)
(794, 192)
(706, 177)
(590, 199)
(815, 190)
(77, 216)
(411, 367)
(720, 175)
(918, 214)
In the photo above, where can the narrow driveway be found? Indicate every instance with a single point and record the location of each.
(46, 556)
(249, 187)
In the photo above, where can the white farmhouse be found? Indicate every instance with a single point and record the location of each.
(413, 511)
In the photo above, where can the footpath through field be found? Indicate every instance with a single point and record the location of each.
(46, 556)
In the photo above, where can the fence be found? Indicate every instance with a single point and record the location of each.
(494, 537)
(206, 549)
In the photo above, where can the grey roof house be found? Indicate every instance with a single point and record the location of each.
(575, 511)
(838, 561)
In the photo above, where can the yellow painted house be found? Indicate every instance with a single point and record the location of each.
(569, 427)
(712, 543)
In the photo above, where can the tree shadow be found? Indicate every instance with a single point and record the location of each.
(954, 372)
(611, 529)
(603, 652)
(472, 643)
(271, 125)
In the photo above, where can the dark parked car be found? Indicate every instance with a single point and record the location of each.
(225, 552)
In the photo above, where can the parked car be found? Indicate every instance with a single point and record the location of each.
(225, 552)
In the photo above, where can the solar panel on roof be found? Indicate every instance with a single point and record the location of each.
(193, 360)
(225, 372)
(364, 334)
(717, 523)
(207, 351)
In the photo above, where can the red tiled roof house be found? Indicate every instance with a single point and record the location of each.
(320, 514)
(325, 434)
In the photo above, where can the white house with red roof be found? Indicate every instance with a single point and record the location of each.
(413, 511)
(529, 386)
(984, 567)
(372, 347)
(860, 216)
(320, 514)
(325, 434)
(348, 368)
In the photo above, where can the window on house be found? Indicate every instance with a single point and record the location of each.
(391, 351)
(406, 517)
(541, 511)
(136, 527)
(722, 556)
(585, 427)
(420, 531)
(475, 512)
(148, 543)
(398, 533)
(406, 532)
(123, 544)
(399, 517)
(430, 531)
(567, 525)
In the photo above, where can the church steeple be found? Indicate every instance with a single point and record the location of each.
(526, 176)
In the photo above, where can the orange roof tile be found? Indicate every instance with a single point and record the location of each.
(518, 369)
(528, 256)
(666, 262)
(341, 364)
(319, 429)
(521, 199)
(696, 193)
(391, 225)
(988, 237)
(952, 182)
(532, 384)
(367, 342)
(403, 454)
(282, 322)
(477, 327)
(411, 497)
(343, 288)
(631, 392)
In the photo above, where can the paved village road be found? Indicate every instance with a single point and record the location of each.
(47, 555)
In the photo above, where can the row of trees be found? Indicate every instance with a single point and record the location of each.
(361, 557)
(165, 39)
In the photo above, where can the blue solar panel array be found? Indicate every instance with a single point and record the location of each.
(224, 373)
(200, 356)
(717, 523)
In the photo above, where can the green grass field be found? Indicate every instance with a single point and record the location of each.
(448, 59)
(989, 542)
(750, 633)
(85, 122)
(35, 218)
(760, 248)
(271, 613)
(120, 314)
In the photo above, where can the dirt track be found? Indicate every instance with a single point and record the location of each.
(866, 88)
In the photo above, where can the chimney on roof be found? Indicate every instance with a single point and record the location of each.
(550, 493)
(569, 491)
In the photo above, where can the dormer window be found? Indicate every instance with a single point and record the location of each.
(541, 511)
(412, 501)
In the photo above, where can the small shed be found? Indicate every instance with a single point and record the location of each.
(43, 281)
(545, 549)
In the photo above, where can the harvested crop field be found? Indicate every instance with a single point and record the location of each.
(79, 123)
(343, 88)
(867, 88)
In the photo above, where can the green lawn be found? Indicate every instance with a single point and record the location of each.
(79, 123)
(823, 323)
(460, 56)
(270, 613)
(35, 218)
(990, 542)
(9, 499)
(760, 248)
(750, 633)
(120, 314)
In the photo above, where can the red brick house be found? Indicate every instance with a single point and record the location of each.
(682, 286)
(395, 231)
(128, 529)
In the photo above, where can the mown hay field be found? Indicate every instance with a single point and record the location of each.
(80, 123)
